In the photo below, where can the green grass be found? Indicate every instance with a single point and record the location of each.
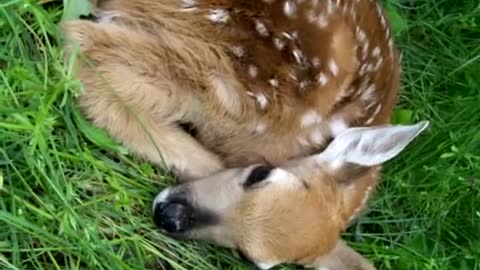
(69, 199)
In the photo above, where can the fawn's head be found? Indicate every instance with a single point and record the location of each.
(289, 214)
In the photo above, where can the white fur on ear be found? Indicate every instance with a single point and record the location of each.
(370, 146)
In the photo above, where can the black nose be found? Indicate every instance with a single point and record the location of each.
(173, 217)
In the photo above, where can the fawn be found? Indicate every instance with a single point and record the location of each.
(287, 105)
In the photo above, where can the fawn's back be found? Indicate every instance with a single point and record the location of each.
(259, 80)
(270, 81)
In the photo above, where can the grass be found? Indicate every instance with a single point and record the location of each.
(70, 199)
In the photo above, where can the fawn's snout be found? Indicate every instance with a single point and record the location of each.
(173, 217)
(172, 211)
(295, 212)
(175, 213)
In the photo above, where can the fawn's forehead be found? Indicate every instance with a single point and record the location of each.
(290, 226)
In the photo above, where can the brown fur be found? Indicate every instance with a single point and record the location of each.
(157, 58)
(146, 65)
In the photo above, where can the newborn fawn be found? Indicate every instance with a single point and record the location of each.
(278, 109)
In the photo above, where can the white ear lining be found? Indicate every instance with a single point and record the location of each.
(369, 146)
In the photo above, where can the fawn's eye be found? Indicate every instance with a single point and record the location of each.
(257, 175)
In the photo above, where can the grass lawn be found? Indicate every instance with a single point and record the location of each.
(72, 199)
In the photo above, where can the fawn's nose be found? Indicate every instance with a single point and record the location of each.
(173, 217)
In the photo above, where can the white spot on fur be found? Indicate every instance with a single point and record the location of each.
(273, 82)
(188, 4)
(322, 21)
(390, 45)
(369, 121)
(353, 13)
(378, 65)
(295, 34)
(316, 62)
(383, 21)
(311, 16)
(374, 114)
(279, 44)
(218, 15)
(363, 70)
(333, 67)
(238, 50)
(368, 94)
(290, 36)
(262, 101)
(370, 68)
(304, 84)
(350, 91)
(376, 52)
(298, 55)
(330, 7)
(342, 93)
(260, 127)
(292, 76)
(345, 7)
(322, 79)
(365, 51)
(379, 9)
(310, 118)
(253, 71)
(337, 126)
(261, 28)
(360, 35)
(289, 8)
(364, 85)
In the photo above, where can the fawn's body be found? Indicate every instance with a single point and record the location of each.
(261, 82)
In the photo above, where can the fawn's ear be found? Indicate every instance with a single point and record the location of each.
(369, 146)
(343, 257)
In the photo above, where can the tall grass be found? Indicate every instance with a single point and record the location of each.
(71, 200)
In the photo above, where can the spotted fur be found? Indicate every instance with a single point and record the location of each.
(260, 81)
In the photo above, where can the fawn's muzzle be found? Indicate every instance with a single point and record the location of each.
(173, 217)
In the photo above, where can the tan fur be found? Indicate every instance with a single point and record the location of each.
(147, 65)
(344, 257)
(290, 235)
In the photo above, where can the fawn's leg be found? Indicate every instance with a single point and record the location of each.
(129, 93)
